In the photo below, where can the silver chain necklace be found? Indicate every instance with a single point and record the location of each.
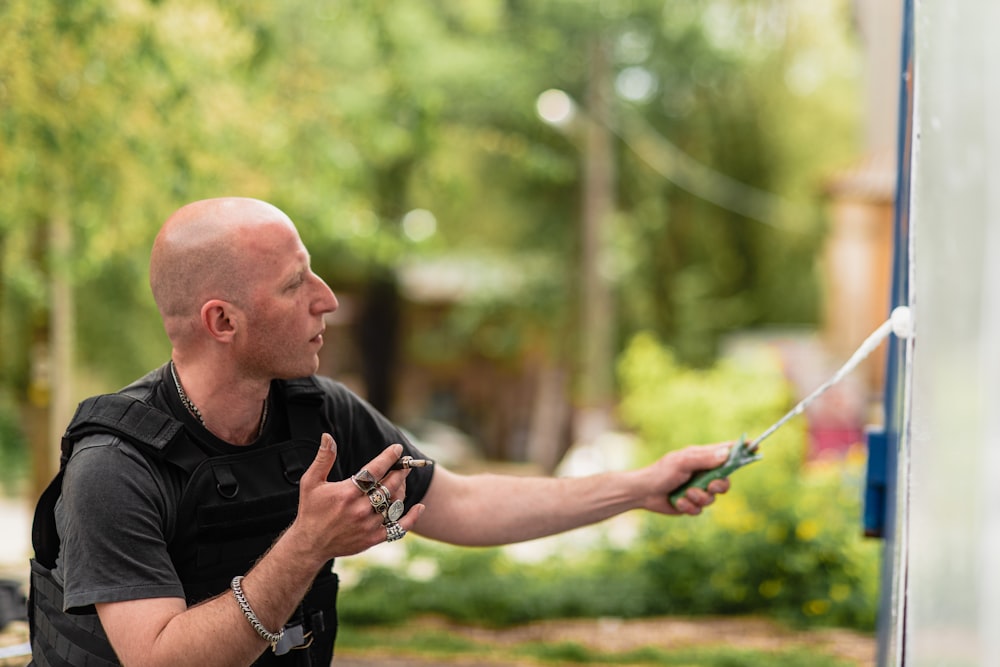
(193, 409)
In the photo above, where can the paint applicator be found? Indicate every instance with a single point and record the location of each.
(900, 323)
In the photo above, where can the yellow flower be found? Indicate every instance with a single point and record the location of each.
(840, 592)
(770, 588)
(807, 530)
(816, 607)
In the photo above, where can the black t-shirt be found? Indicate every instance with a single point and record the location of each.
(118, 507)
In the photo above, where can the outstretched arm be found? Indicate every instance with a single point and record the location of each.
(484, 510)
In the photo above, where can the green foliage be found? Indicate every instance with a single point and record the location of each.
(787, 537)
(670, 405)
(350, 115)
(13, 447)
(120, 285)
(784, 542)
(116, 112)
(449, 647)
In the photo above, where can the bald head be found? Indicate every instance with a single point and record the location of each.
(204, 251)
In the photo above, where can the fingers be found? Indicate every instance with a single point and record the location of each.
(705, 457)
(397, 530)
(695, 500)
(320, 468)
(381, 464)
(381, 469)
(392, 482)
(719, 485)
(409, 520)
(337, 519)
(692, 460)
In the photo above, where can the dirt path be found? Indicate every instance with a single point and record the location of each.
(607, 635)
(612, 635)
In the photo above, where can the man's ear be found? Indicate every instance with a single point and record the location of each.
(221, 319)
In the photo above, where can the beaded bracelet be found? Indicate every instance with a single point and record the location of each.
(271, 638)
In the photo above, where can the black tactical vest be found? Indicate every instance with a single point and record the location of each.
(232, 509)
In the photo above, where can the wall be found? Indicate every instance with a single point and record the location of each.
(951, 454)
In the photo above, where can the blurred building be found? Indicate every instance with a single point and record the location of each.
(509, 406)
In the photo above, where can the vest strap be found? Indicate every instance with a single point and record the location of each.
(121, 415)
(225, 481)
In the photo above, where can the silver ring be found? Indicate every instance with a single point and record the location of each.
(364, 480)
(393, 532)
(380, 499)
(395, 511)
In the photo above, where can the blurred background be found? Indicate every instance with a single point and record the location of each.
(566, 235)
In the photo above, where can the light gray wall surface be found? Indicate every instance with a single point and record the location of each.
(951, 454)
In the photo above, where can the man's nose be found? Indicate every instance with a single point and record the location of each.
(327, 303)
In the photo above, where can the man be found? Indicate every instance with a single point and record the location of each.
(195, 518)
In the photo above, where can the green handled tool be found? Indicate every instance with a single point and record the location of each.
(900, 323)
(740, 455)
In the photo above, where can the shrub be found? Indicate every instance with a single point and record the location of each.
(784, 542)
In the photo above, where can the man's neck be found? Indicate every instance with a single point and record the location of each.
(234, 411)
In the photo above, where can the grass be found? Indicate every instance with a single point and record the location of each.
(445, 646)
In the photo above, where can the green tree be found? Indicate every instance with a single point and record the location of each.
(350, 115)
(93, 95)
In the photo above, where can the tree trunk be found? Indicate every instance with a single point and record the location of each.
(50, 390)
(597, 312)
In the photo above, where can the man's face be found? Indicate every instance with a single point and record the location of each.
(287, 304)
